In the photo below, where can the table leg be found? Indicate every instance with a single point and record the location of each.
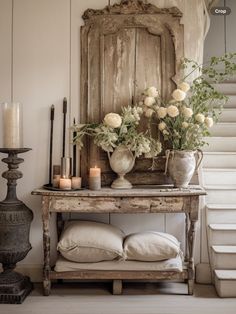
(46, 245)
(193, 217)
(117, 287)
(191, 268)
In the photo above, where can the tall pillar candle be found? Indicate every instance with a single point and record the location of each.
(12, 125)
(95, 178)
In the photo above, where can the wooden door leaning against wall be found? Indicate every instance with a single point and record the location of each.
(125, 48)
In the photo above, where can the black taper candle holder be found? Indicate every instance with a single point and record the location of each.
(15, 220)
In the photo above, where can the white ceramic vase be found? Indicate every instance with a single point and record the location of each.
(121, 161)
(181, 165)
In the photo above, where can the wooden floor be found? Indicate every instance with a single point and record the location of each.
(87, 298)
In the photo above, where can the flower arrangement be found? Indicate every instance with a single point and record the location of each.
(120, 129)
(186, 118)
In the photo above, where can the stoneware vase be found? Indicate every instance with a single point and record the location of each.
(181, 165)
(121, 161)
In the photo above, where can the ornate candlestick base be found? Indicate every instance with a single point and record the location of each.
(15, 219)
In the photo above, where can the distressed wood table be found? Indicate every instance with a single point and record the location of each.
(151, 199)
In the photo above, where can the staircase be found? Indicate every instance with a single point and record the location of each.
(219, 178)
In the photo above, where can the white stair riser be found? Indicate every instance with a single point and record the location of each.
(219, 161)
(218, 216)
(223, 260)
(225, 288)
(228, 115)
(223, 129)
(222, 237)
(231, 102)
(221, 196)
(220, 144)
(219, 177)
(226, 88)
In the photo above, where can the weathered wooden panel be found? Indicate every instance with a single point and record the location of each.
(119, 70)
(126, 48)
(149, 64)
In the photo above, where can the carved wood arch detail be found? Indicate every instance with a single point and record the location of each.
(132, 7)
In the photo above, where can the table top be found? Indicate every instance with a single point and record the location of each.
(136, 191)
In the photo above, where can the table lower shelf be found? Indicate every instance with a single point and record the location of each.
(118, 274)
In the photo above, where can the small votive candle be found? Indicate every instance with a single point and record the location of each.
(76, 182)
(95, 178)
(65, 184)
(56, 180)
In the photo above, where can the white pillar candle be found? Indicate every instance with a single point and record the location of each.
(95, 178)
(12, 125)
(65, 184)
(76, 182)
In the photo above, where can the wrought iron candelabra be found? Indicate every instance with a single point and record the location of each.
(15, 220)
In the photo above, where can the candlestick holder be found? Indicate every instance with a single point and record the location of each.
(15, 220)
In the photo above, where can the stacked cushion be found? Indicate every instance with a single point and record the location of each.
(90, 242)
(151, 246)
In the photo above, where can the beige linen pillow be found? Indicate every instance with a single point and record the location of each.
(89, 242)
(151, 246)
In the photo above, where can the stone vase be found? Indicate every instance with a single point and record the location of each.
(122, 161)
(181, 165)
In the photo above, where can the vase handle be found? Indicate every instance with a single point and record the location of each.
(200, 157)
(167, 161)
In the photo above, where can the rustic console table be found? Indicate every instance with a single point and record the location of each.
(151, 199)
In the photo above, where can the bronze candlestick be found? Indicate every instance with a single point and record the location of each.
(15, 220)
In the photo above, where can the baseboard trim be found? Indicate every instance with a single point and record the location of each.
(203, 273)
(34, 271)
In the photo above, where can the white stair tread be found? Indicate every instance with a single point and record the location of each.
(219, 153)
(225, 227)
(220, 169)
(227, 249)
(223, 274)
(221, 187)
(221, 206)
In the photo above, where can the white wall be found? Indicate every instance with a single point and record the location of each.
(39, 65)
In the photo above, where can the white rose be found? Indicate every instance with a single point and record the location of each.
(113, 120)
(187, 112)
(149, 101)
(162, 112)
(161, 126)
(209, 122)
(178, 95)
(152, 92)
(185, 87)
(172, 111)
(200, 118)
(185, 125)
(149, 113)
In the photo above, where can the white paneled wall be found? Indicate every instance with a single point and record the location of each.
(39, 65)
